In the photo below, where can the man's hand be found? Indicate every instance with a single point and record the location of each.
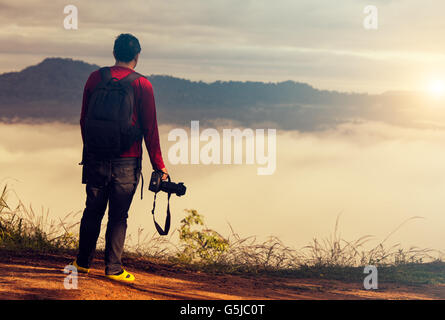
(165, 175)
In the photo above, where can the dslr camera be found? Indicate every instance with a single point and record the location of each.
(157, 184)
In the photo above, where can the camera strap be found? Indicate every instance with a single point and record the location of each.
(142, 176)
(167, 219)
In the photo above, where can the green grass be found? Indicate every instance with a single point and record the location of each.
(198, 247)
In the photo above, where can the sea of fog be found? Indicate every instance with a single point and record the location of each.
(374, 176)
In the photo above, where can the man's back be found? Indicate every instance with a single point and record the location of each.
(144, 111)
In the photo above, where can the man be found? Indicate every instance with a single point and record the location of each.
(113, 181)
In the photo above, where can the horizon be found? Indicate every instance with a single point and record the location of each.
(422, 92)
(287, 105)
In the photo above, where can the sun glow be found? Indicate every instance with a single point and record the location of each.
(437, 88)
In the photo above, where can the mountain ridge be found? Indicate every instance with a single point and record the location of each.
(52, 90)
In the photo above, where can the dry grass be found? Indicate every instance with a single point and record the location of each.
(22, 228)
(336, 251)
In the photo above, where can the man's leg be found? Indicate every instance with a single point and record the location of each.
(125, 180)
(96, 204)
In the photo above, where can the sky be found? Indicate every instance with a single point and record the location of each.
(321, 42)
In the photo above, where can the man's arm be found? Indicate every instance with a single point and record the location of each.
(149, 125)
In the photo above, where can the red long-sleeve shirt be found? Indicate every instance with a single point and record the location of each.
(145, 108)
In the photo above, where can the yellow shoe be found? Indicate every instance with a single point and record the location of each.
(80, 269)
(124, 276)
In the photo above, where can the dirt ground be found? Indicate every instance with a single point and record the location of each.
(38, 276)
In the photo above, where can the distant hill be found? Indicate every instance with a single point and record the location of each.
(52, 90)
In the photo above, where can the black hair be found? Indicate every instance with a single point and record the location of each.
(126, 47)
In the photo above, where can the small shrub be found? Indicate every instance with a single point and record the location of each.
(200, 245)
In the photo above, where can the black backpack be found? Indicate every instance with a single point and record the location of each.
(108, 127)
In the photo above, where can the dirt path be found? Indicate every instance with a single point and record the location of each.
(34, 276)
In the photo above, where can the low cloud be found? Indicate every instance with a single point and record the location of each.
(375, 175)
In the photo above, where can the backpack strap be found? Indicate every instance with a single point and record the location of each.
(130, 78)
(105, 74)
(126, 81)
